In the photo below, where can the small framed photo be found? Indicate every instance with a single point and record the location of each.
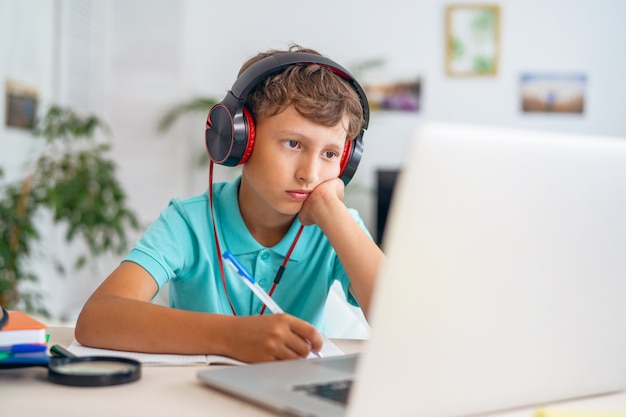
(21, 105)
(553, 92)
(472, 40)
(399, 95)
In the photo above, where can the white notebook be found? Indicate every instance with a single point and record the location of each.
(328, 349)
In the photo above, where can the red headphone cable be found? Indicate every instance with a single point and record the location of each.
(217, 242)
(281, 269)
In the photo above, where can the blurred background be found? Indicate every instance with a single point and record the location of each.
(130, 62)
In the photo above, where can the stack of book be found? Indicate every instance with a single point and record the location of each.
(22, 341)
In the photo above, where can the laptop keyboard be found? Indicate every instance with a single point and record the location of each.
(336, 390)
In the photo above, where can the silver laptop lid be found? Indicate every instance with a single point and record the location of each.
(505, 278)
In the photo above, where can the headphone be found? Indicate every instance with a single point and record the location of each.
(230, 129)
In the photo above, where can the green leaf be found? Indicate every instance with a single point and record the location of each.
(196, 105)
(75, 180)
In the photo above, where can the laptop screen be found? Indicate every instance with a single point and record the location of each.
(505, 276)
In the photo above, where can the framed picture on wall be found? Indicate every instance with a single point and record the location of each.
(472, 39)
(401, 95)
(21, 105)
(553, 92)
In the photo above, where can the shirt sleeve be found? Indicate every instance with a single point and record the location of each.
(164, 247)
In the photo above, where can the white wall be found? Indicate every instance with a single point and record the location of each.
(145, 56)
(536, 35)
(27, 47)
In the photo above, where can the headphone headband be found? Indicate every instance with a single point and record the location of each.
(274, 64)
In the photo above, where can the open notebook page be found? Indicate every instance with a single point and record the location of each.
(154, 358)
(328, 349)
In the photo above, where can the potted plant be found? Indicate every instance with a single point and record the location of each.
(74, 179)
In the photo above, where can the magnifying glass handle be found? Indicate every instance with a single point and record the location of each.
(59, 351)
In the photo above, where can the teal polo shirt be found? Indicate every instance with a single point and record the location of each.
(179, 249)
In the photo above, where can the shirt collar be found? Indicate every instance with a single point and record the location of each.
(234, 233)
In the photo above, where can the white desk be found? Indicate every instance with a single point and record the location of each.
(168, 391)
(162, 391)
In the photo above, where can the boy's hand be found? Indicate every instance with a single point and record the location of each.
(317, 202)
(273, 337)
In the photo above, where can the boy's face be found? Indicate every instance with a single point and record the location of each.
(292, 155)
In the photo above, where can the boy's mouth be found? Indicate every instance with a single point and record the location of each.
(299, 195)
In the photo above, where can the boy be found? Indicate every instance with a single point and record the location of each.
(300, 118)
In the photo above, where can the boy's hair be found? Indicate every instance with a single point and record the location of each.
(317, 93)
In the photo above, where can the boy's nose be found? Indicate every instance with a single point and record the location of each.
(307, 171)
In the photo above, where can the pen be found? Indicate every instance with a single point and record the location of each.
(23, 348)
(249, 280)
(59, 351)
(251, 283)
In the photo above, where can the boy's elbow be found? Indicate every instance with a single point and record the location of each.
(86, 324)
(81, 331)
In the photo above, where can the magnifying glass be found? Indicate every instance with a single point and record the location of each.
(68, 369)
(65, 368)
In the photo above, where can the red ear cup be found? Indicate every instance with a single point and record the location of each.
(352, 152)
(251, 135)
(345, 156)
(229, 133)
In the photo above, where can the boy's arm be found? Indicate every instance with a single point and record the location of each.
(119, 316)
(359, 254)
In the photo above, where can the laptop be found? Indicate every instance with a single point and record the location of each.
(503, 288)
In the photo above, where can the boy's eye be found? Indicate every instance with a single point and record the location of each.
(330, 154)
(291, 144)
